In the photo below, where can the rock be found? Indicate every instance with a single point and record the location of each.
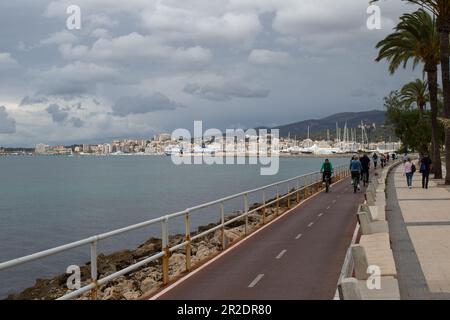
(111, 293)
(132, 295)
(148, 285)
(177, 263)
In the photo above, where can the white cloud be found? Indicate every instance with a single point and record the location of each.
(133, 46)
(60, 37)
(7, 124)
(239, 28)
(268, 57)
(6, 61)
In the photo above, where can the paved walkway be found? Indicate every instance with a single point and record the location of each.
(297, 257)
(419, 222)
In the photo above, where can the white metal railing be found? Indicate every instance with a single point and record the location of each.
(295, 186)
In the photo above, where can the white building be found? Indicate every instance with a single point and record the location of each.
(42, 148)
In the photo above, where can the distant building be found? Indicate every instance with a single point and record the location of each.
(86, 148)
(162, 137)
(107, 148)
(42, 148)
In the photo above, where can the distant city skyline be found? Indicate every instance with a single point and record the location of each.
(141, 67)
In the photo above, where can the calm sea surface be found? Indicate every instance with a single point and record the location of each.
(50, 201)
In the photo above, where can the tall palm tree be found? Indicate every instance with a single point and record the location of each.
(415, 92)
(441, 9)
(416, 39)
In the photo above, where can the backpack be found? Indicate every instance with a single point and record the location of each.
(413, 168)
(423, 167)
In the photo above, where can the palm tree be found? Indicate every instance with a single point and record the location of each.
(415, 92)
(416, 39)
(441, 9)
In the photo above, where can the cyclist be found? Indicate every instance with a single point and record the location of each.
(327, 171)
(365, 166)
(355, 169)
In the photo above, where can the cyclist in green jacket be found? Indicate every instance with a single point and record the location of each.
(327, 170)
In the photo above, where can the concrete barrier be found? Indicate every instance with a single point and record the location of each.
(354, 289)
(368, 226)
(376, 213)
(373, 249)
(375, 255)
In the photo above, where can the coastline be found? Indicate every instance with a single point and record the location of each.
(148, 279)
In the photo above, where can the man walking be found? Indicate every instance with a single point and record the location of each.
(425, 168)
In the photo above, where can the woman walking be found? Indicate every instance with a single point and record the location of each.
(408, 167)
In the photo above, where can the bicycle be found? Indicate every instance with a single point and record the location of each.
(327, 182)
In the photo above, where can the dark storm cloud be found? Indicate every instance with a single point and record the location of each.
(7, 124)
(225, 91)
(76, 122)
(140, 105)
(300, 59)
(58, 114)
(27, 100)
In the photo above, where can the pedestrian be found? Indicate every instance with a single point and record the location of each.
(383, 160)
(425, 168)
(375, 159)
(408, 169)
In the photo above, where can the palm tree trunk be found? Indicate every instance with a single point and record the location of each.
(444, 46)
(436, 154)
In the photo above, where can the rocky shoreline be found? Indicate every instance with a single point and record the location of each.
(148, 279)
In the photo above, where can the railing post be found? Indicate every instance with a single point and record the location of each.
(264, 206)
(165, 250)
(278, 199)
(319, 182)
(297, 189)
(222, 221)
(188, 240)
(246, 212)
(308, 185)
(94, 275)
(289, 197)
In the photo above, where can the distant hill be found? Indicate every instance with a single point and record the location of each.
(318, 127)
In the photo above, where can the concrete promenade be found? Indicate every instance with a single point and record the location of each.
(419, 224)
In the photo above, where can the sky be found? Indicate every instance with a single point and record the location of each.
(139, 67)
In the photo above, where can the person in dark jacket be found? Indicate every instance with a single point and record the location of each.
(365, 164)
(425, 169)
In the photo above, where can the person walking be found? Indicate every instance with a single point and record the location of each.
(365, 166)
(408, 170)
(375, 159)
(425, 168)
